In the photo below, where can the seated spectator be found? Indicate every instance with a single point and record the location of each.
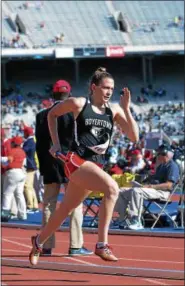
(46, 103)
(115, 169)
(42, 24)
(177, 21)
(159, 92)
(61, 37)
(57, 38)
(149, 158)
(113, 155)
(122, 161)
(145, 90)
(19, 98)
(167, 174)
(141, 99)
(137, 162)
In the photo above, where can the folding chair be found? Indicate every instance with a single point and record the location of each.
(181, 212)
(162, 206)
(92, 204)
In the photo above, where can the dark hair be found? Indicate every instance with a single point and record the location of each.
(60, 95)
(98, 75)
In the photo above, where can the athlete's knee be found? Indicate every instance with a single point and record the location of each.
(113, 190)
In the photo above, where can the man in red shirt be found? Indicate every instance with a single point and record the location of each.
(14, 179)
(5, 148)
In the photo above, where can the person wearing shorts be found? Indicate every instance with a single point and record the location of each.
(94, 119)
(53, 174)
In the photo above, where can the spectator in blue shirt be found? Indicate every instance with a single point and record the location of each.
(167, 174)
(29, 147)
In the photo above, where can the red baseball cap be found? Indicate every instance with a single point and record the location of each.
(17, 140)
(28, 131)
(61, 86)
(136, 152)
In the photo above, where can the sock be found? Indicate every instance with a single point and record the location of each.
(100, 244)
(39, 245)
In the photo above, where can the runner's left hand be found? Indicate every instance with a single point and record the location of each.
(125, 99)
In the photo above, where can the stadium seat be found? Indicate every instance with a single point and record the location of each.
(162, 207)
(92, 204)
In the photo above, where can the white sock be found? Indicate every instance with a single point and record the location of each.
(100, 244)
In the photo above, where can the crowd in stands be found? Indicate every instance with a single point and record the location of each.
(123, 157)
(30, 4)
(177, 22)
(150, 27)
(147, 27)
(148, 92)
(17, 108)
(14, 42)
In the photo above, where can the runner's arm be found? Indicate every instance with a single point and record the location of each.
(69, 105)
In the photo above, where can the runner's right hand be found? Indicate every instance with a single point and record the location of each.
(55, 148)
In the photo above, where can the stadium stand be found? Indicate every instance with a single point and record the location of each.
(148, 26)
(90, 28)
(47, 22)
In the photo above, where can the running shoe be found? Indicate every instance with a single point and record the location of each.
(79, 251)
(105, 253)
(135, 224)
(35, 252)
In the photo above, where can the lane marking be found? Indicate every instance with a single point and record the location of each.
(100, 269)
(17, 243)
(146, 260)
(13, 250)
(95, 257)
(120, 245)
(155, 281)
(81, 261)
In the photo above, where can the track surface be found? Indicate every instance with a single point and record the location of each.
(147, 258)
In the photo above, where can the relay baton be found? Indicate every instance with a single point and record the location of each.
(60, 156)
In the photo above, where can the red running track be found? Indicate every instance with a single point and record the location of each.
(132, 251)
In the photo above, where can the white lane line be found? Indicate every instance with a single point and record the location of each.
(95, 257)
(70, 258)
(17, 243)
(146, 260)
(155, 282)
(13, 250)
(81, 261)
(113, 244)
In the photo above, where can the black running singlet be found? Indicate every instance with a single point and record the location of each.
(93, 132)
